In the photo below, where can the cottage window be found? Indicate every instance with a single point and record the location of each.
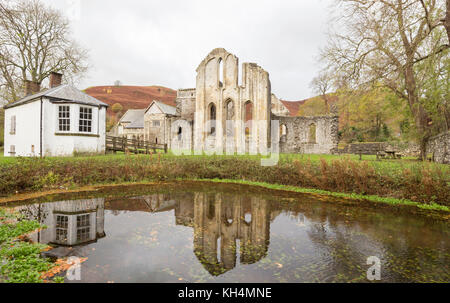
(64, 118)
(12, 149)
(156, 123)
(13, 125)
(62, 224)
(83, 227)
(85, 124)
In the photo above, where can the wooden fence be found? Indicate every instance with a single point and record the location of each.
(122, 144)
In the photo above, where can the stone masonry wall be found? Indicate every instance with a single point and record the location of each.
(186, 103)
(296, 134)
(371, 148)
(439, 146)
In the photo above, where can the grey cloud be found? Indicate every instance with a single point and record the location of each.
(162, 42)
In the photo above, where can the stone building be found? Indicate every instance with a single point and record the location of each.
(439, 147)
(59, 121)
(227, 116)
(131, 125)
(157, 119)
(222, 115)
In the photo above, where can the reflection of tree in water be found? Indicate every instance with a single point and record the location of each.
(349, 235)
(228, 225)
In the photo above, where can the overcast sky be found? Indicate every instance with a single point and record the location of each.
(161, 42)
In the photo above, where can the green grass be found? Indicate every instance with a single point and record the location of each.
(371, 198)
(20, 261)
(406, 179)
(381, 165)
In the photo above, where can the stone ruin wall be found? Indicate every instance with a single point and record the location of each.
(185, 103)
(405, 148)
(278, 108)
(295, 134)
(439, 146)
(218, 89)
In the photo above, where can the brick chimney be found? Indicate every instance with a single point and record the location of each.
(31, 87)
(55, 79)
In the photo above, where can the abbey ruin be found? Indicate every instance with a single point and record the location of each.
(222, 115)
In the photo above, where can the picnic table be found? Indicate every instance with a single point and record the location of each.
(393, 154)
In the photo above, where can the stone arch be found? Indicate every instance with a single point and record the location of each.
(220, 70)
(180, 133)
(248, 116)
(211, 206)
(228, 115)
(283, 132)
(231, 71)
(229, 109)
(211, 73)
(312, 132)
(247, 218)
(228, 217)
(212, 117)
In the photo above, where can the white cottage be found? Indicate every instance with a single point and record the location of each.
(56, 122)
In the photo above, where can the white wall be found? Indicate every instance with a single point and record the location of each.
(54, 142)
(57, 143)
(27, 129)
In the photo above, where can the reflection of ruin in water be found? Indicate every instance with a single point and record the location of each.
(223, 224)
(226, 226)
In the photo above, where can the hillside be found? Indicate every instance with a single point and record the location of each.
(309, 107)
(132, 97)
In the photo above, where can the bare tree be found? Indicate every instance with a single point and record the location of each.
(322, 85)
(384, 41)
(446, 20)
(34, 41)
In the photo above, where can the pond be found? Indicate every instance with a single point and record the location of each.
(231, 233)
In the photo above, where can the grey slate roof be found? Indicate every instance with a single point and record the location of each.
(166, 109)
(132, 115)
(136, 116)
(138, 123)
(61, 93)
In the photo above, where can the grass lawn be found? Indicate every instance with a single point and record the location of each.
(409, 179)
(387, 166)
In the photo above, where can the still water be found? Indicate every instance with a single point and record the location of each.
(228, 233)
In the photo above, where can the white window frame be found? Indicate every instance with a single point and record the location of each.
(64, 118)
(84, 229)
(13, 126)
(86, 122)
(63, 229)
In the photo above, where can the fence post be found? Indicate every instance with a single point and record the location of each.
(165, 148)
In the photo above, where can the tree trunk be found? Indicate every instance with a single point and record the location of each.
(419, 114)
(447, 20)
